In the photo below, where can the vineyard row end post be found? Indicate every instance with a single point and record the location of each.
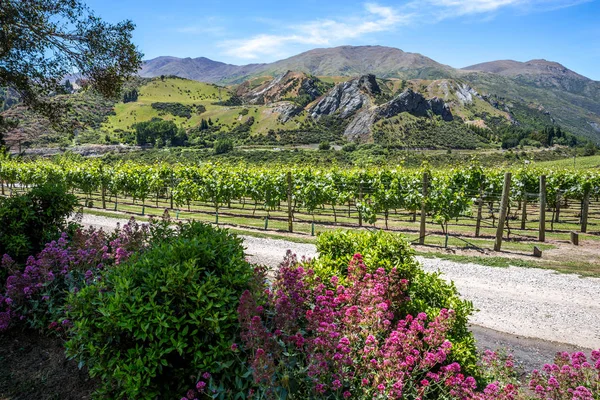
(542, 229)
(503, 208)
(423, 208)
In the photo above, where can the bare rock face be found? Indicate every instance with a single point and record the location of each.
(368, 84)
(347, 97)
(290, 84)
(287, 111)
(415, 104)
(360, 126)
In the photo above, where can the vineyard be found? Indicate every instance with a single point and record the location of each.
(459, 205)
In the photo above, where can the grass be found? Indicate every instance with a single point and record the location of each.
(189, 92)
(584, 269)
(580, 163)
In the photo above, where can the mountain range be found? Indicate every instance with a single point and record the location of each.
(570, 99)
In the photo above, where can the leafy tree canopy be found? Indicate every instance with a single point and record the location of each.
(43, 41)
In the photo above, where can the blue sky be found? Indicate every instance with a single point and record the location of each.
(454, 32)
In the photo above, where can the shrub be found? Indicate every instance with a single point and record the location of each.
(30, 220)
(37, 292)
(572, 376)
(349, 147)
(324, 146)
(223, 146)
(310, 338)
(152, 323)
(428, 292)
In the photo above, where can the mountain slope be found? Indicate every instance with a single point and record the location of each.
(542, 74)
(199, 69)
(571, 99)
(337, 61)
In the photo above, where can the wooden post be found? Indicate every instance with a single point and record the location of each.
(503, 208)
(172, 187)
(289, 203)
(584, 211)
(542, 229)
(479, 211)
(557, 207)
(524, 211)
(103, 196)
(423, 209)
(360, 198)
(574, 238)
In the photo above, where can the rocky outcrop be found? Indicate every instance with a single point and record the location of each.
(465, 94)
(369, 85)
(287, 111)
(360, 126)
(347, 97)
(289, 85)
(414, 103)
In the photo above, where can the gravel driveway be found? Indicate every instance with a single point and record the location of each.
(523, 302)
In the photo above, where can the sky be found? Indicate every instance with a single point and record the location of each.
(458, 33)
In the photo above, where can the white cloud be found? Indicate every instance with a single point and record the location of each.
(454, 8)
(323, 32)
(375, 18)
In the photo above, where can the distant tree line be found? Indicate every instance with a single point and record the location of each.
(130, 96)
(159, 133)
(546, 137)
(178, 109)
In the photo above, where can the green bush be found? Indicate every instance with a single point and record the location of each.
(155, 322)
(428, 292)
(324, 146)
(29, 221)
(349, 147)
(223, 146)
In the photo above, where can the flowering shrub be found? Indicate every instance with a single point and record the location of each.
(428, 292)
(37, 292)
(572, 376)
(153, 322)
(30, 220)
(309, 339)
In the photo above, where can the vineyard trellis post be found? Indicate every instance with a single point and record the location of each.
(360, 199)
(585, 210)
(524, 209)
(542, 228)
(479, 210)
(289, 202)
(423, 208)
(503, 208)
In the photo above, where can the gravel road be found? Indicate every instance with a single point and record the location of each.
(514, 303)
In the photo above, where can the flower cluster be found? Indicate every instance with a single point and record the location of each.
(572, 376)
(37, 291)
(315, 338)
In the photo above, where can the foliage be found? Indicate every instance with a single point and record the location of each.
(151, 132)
(324, 146)
(38, 291)
(30, 220)
(223, 146)
(428, 292)
(571, 376)
(166, 314)
(43, 41)
(178, 109)
(307, 337)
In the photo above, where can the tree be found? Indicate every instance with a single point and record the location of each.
(223, 146)
(42, 42)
